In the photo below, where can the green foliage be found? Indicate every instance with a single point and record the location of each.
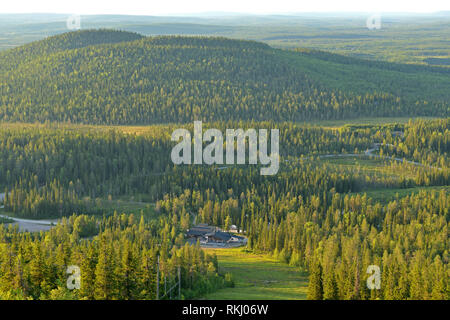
(412, 38)
(315, 287)
(257, 277)
(52, 171)
(117, 261)
(5, 220)
(313, 215)
(229, 282)
(93, 79)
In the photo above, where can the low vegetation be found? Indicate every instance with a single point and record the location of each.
(258, 277)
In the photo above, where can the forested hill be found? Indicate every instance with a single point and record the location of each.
(66, 41)
(114, 77)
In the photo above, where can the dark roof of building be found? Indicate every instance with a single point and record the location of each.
(195, 233)
(200, 230)
(220, 235)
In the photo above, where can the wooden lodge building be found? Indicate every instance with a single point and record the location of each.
(211, 234)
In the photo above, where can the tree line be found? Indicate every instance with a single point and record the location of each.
(112, 77)
(117, 257)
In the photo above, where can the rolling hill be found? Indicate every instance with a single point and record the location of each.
(117, 77)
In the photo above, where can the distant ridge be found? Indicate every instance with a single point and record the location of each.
(70, 40)
(116, 77)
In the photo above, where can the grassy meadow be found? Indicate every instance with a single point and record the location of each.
(258, 277)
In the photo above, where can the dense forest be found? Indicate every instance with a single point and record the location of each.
(313, 214)
(53, 171)
(121, 263)
(345, 196)
(113, 77)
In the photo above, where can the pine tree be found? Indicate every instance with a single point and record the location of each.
(330, 290)
(315, 286)
(103, 287)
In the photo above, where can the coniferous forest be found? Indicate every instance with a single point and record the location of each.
(85, 146)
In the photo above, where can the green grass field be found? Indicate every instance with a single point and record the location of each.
(124, 204)
(371, 166)
(258, 277)
(168, 128)
(363, 161)
(386, 195)
(374, 121)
